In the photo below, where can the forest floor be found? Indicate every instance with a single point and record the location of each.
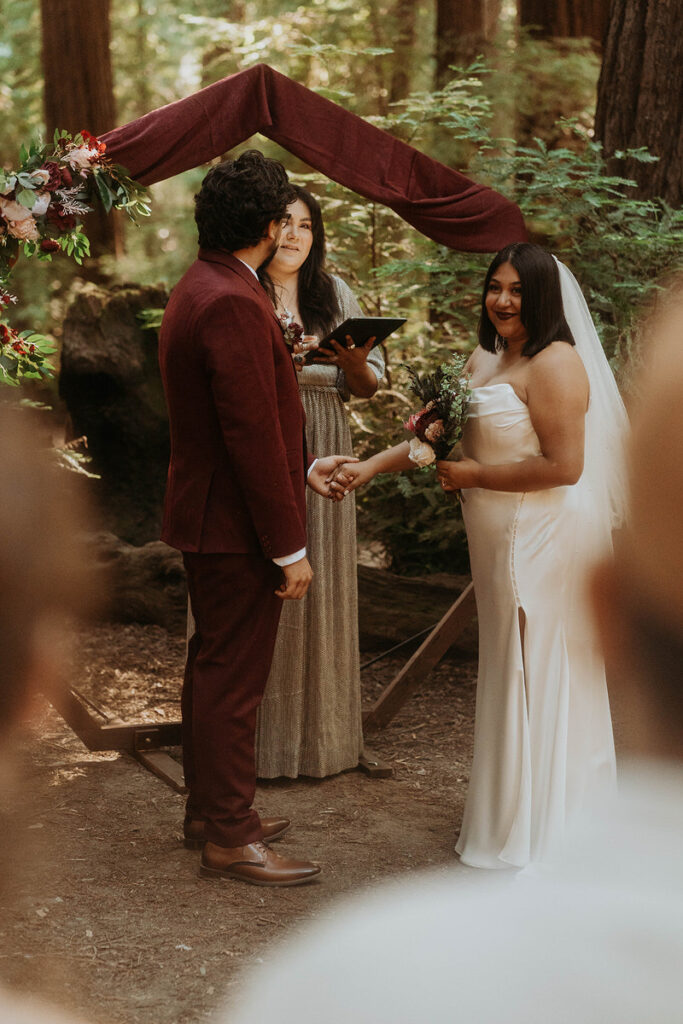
(106, 915)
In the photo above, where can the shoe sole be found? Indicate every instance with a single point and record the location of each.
(198, 844)
(205, 872)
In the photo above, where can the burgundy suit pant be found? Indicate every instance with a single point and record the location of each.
(229, 657)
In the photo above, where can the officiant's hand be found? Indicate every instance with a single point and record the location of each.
(453, 476)
(353, 361)
(322, 478)
(308, 343)
(297, 580)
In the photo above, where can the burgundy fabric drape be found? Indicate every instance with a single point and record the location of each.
(439, 202)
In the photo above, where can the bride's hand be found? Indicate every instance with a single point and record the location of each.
(454, 476)
(353, 475)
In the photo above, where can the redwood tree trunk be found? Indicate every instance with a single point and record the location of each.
(640, 93)
(566, 18)
(79, 88)
(463, 28)
(405, 17)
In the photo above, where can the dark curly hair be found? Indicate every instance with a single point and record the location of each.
(238, 200)
(542, 310)
(318, 301)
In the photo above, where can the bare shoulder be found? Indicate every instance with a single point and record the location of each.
(476, 359)
(559, 364)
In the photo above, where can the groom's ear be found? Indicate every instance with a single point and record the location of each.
(274, 230)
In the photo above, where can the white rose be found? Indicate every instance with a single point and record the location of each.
(80, 158)
(41, 204)
(12, 211)
(421, 453)
(40, 176)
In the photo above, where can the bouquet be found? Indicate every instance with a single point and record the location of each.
(438, 425)
(41, 205)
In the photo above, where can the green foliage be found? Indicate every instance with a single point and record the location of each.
(24, 356)
(150, 319)
(420, 527)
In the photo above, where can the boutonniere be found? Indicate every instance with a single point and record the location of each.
(293, 332)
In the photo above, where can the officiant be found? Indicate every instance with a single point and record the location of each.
(310, 718)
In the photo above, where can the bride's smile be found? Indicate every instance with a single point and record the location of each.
(504, 304)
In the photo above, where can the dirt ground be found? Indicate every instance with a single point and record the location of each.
(101, 908)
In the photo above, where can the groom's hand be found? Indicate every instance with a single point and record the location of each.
(322, 477)
(297, 580)
(351, 476)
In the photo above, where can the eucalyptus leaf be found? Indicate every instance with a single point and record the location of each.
(105, 193)
(27, 197)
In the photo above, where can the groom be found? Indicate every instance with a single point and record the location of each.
(235, 506)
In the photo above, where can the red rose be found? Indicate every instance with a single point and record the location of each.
(92, 142)
(62, 221)
(411, 423)
(55, 172)
(420, 421)
(49, 245)
(67, 180)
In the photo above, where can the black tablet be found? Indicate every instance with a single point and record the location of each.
(360, 329)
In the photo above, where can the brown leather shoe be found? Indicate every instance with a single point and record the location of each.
(193, 831)
(255, 863)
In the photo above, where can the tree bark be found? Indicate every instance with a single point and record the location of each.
(405, 18)
(566, 18)
(78, 87)
(640, 94)
(463, 27)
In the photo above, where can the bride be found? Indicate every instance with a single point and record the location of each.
(541, 484)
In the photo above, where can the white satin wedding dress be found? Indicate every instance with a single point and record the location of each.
(543, 735)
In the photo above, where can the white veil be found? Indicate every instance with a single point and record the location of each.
(604, 477)
(601, 492)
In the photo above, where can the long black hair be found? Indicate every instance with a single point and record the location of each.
(542, 311)
(318, 301)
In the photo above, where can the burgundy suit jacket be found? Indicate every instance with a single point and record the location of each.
(237, 475)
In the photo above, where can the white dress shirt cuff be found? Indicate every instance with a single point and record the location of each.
(290, 559)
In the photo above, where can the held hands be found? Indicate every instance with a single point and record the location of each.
(323, 477)
(454, 476)
(297, 580)
(351, 475)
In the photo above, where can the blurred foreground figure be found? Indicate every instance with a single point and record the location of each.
(42, 581)
(599, 938)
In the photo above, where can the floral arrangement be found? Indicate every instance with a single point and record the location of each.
(292, 330)
(437, 427)
(41, 204)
